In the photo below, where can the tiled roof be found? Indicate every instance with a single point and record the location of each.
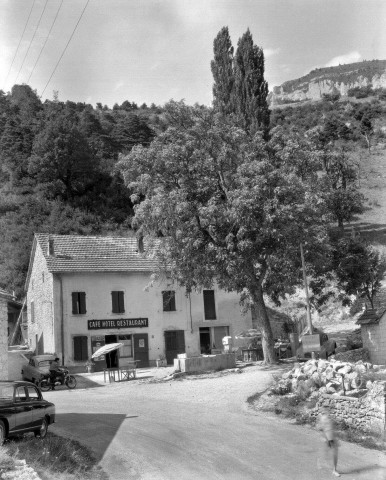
(93, 254)
(370, 316)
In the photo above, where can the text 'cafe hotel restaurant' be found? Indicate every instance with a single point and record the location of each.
(85, 292)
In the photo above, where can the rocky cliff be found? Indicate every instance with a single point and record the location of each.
(331, 80)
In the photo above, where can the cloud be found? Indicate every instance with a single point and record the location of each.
(269, 52)
(350, 57)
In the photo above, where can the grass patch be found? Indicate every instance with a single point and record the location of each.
(56, 457)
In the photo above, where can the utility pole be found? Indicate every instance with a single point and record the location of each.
(309, 321)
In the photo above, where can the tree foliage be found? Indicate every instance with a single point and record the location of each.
(239, 86)
(360, 268)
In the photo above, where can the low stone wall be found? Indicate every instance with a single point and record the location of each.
(353, 355)
(205, 363)
(367, 413)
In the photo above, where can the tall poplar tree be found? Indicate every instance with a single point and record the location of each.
(251, 89)
(223, 74)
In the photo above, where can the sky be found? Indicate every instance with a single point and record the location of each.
(151, 51)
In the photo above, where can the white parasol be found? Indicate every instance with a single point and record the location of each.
(250, 333)
(109, 347)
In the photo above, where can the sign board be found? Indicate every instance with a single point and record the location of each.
(311, 343)
(118, 323)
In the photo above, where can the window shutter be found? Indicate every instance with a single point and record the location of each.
(114, 296)
(75, 302)
(80, 348)
(121, 302)
(82, 302)
(209, 305)
(172, 300)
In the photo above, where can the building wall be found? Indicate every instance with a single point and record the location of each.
(3, 339)
(374, 340)
(140, 302)
(41, 327)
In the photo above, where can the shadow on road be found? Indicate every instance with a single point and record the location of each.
(99, 429)
(366, 468)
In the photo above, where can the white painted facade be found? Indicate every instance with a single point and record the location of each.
(52, 325)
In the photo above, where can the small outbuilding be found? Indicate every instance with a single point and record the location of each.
(373, 331)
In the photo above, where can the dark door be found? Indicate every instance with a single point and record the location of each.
(37, 405)
(112, 357)
(23, 409)
(141, 349)
(174, 344)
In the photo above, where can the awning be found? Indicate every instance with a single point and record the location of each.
(109, 347)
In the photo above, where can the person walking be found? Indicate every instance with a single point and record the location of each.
(326, 425)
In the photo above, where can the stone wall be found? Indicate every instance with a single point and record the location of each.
(205, 363)
(353, 355)
(3, 339)
(367, 413)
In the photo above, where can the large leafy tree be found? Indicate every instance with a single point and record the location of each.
(225, 209)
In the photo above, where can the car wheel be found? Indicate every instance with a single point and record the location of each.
(42, 432)
(3, 432)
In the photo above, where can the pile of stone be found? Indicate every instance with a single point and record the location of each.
(326, 376)
(20, 471)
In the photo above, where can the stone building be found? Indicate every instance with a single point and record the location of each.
(84, 292)
(373, 331)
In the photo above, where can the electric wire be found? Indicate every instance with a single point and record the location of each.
(65, 48)
(32, 39)
(21, 38)
(41, 51)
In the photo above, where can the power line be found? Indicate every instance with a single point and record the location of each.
(65, 48)
(32, 39)
(41, 51)
(21, 38)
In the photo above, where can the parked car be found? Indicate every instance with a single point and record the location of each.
(23, 409)
(37, 367)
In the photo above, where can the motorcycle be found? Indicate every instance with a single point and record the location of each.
(47, 382)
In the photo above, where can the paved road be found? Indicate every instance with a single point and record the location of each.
(198, 429)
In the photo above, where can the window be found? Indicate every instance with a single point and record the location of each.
(209, 305)
(80, 348)
(32, 312)
(78, 303)
(20, 395)
(42, 277)
(169, 300)
(118, 302)
(33, 394)
(126, 350)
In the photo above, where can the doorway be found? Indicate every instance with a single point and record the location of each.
(174, 344)
(205, 341)
(111, 357)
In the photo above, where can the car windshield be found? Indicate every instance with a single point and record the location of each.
(45, 363)
(6, 392)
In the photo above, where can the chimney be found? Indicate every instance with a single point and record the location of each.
(51, 250)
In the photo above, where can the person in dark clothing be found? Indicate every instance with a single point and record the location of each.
(55, 372)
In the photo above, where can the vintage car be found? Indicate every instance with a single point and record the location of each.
(37, 367)
(23, 409)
